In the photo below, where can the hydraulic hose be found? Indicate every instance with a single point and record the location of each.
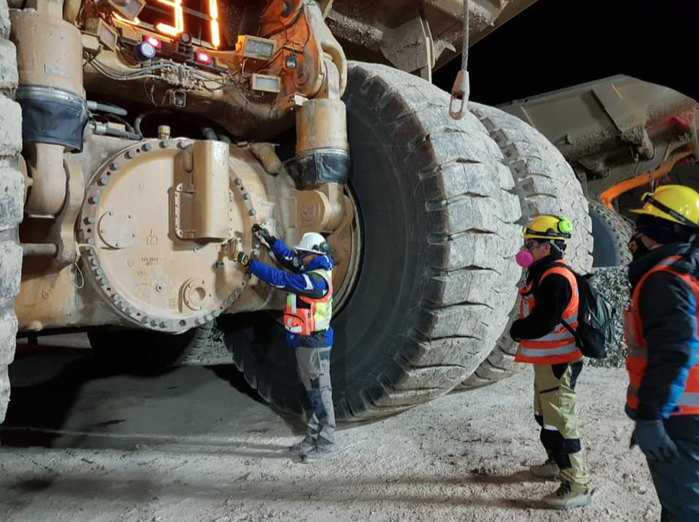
(209, 133)
(101, 129)
(103, 107)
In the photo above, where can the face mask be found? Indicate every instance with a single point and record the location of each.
(637, 247)
(297, 263)
(524, 258)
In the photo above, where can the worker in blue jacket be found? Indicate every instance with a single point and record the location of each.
(662, 333)
(307, 318)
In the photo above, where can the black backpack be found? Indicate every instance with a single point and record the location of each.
(595, 314)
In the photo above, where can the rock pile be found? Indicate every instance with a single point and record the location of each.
(613, 284)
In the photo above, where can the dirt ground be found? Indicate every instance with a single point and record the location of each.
(188, 446)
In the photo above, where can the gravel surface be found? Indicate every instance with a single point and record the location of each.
(188, 447)
(613, 284)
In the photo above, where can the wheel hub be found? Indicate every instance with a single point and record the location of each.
(141, 255)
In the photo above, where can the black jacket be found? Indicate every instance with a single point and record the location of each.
(667, 308)
(552, 297)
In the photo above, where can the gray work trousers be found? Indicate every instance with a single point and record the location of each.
(313, 365)
(677, 483)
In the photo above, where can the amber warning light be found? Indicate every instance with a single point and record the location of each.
(174, 17)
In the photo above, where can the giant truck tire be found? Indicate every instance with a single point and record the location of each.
(545, 184)
(148, 352)
(437, 274)
(611, 232)
(11, 204)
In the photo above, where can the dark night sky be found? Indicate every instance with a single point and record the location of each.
(653, 40)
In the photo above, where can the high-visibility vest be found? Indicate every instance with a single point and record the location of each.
(304, 315)
(558, 346)
(637, 358)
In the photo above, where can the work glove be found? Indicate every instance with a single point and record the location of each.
(242, 258)
(651, 437)
(264, 235)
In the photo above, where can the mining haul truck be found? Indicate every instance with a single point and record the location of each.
(141, 140)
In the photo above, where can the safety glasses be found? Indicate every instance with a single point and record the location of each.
(531, 245)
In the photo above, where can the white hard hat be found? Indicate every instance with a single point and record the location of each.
(312, 242)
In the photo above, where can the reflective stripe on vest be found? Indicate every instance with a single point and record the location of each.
(637, 356)
(544, 352)
(559, 345)
(564, 334)
(316, 316)
(689, 399)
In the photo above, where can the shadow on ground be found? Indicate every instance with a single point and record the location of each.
(56, 391)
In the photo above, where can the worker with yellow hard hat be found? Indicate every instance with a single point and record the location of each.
(662, 332)
(548, 317)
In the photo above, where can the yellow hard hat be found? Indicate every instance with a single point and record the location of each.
(674, 203)
(548, 227)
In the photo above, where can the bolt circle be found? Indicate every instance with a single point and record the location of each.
(90, 232)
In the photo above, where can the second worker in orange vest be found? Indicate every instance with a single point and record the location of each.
(548, 300)
(662, 331)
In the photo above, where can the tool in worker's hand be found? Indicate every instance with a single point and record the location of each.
(242, 258)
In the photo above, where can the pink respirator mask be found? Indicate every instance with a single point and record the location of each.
(524, 258)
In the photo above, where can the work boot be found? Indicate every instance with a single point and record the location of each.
(319, 453)
(302, 448)
(565, 498)
(548, 469)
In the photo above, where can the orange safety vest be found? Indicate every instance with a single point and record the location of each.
(637, 358)
(304, 315)
(558, 346)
